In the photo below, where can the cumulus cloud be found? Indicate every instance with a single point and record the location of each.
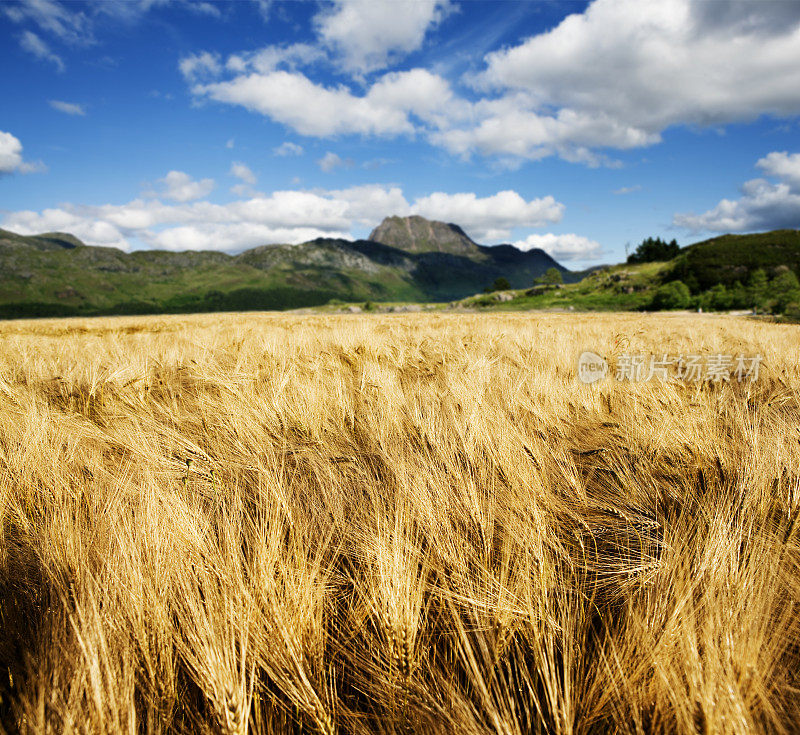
(31, 43)
(783, 166)
(11, 159)
(562, 247)
(204, 65)
(270, 58)
(366, 35)
(68, 108)
(242, 171)
(315, 110)
(489, 218)
(331, 161)
(638, 67)
(368, 204)
(764, 204)
(287, 148)
(180, 187)
(612, 77)
(284, 216)
(288, 216)
(10, 153)
(311, 109)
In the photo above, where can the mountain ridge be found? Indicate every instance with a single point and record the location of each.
(57, 274)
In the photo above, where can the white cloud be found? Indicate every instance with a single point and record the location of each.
(10, 153)
(421, 93)
(630, 68)
(368, 204)
(234, 236)
(613, 77)
(264, 7)
(284, 216)
(270, 58)
(181, 187)
(311, 109)
(562, 247)
(489, 218)
(508, 127)
(203, 8)
(331, 161)
(628, 189)
(287, 148)
(89, 229)
(53, 17)
(204, 65)
(367, 35)
(764, 205)
(782, 165)
(68, 108)
(30, 42)
(11, 157)
(230, 143)
(288, 216)
(242, 171)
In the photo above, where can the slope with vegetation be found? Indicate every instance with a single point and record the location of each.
(754, 272)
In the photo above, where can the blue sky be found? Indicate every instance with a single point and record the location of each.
(576, 127)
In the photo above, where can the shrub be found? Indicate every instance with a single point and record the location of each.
(500, 284)
(551, 277)
(672, 295)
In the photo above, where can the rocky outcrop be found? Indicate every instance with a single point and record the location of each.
(416, 234)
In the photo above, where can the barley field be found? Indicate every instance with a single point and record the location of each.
(416, 523)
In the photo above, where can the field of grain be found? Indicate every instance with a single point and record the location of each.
(396, 524)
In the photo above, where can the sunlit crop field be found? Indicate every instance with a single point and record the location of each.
(406, 523)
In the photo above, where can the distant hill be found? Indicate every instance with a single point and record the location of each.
(731, 258)
(405, 259)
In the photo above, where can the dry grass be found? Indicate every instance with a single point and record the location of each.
(410, 524)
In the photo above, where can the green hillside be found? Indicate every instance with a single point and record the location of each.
(733, 258)
(758, 271)
(405, 259)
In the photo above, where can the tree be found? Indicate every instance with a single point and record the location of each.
(786, 290)
(672, 295)
(653, 249)
(500, 284)
(551, 277)
(757, 286)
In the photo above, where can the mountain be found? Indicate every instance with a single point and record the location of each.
(405, 259)
(418, 235)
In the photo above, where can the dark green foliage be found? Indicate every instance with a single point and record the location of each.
(500, 284)
(551, 277)
(757, 287)
(784, 290)
(733, 258)
(672, 295)
(655, 249)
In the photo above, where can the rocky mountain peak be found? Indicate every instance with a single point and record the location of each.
(416, 234)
